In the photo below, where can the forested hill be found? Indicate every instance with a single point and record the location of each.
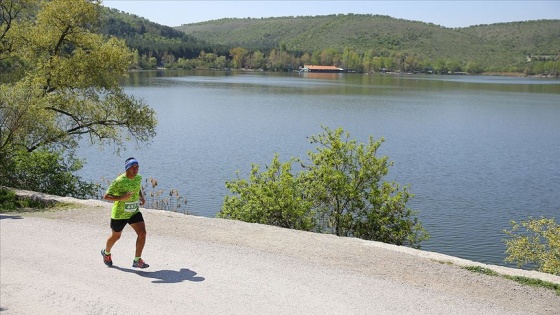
(150, 39)
(361, 43)
(500, 44)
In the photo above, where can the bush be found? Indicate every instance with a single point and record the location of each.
(273, 197)
(340, 191)
(535, 241)
(9, 201)
(50, 172)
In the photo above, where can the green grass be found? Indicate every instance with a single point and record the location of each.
(535, 283)
(522, 280)
(10, 202)
(482, 270)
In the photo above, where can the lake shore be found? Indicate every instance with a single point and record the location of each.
(50, 261)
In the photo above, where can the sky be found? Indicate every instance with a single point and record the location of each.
(445, 13)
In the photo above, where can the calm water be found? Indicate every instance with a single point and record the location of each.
(476, 151)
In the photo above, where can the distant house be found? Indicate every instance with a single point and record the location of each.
(327, 69)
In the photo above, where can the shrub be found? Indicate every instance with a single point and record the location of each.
(535, 241)
(341, 190)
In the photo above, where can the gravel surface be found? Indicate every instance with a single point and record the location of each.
(50, 264)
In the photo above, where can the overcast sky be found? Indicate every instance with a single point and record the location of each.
(445, 13)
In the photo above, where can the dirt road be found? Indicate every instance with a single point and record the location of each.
(50, 264)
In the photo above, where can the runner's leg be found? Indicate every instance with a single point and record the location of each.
(140, 229)
(112, 239)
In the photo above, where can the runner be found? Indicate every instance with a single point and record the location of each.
(126, 192)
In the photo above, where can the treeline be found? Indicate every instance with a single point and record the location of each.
(350, 60)
(373, 44)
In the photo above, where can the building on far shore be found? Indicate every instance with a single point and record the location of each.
(326, 69)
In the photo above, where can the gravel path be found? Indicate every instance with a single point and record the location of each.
(50, 264)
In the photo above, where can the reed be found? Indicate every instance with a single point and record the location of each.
(156, 198)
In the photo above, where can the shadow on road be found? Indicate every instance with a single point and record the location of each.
(13, 217)
(165, 276)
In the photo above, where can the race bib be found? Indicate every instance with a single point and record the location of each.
(131, 206)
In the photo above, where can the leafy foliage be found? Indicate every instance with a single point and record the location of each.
(9, 201)
(68, 87)
(340, 191)
(47, 172)
(529, 37)
(272, 197)
(535, 241)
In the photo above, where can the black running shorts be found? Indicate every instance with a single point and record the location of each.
(118, 225)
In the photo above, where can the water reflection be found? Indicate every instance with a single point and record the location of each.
(345, 83)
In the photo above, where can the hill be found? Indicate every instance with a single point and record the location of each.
(151, 40)
(497, 45)
(532, 38)
(357, 42)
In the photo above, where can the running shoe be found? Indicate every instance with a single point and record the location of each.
(139, 264)
(107, 258)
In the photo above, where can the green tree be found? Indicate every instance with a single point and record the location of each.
(535, 241)
(274, 61)
(378, 64)
(147, 62)
(187, 63)
(51, 172)
(440, 66)
(411, 63)
(552, 67)
(316, 58)
(453, 66)
(351, 60)
(473, 68)
(305, 59)
(280, 61)
(257, 60)
(168, 60)
(340, 191)
(220, 63)
(350, 196)
(69, 87)
(272, 197)
(367, 61)
(238, 55)
(330, 57)
(9, 12)
(390, 63)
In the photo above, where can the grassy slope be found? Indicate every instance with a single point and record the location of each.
(498, 44)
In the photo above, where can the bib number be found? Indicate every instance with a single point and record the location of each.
(131, 206)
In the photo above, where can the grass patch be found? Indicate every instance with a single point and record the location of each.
(535, 283)
(10, 202)
(482, 270)
(519, 279)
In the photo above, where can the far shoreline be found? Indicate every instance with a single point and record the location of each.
(496, 74)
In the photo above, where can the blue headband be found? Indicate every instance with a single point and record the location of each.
(129, 164)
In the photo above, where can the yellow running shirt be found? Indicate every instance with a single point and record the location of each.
(125, 209)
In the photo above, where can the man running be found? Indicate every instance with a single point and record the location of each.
(126, 192)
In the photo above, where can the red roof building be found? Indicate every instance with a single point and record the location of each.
(312, 68)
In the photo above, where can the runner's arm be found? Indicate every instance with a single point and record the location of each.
(120, 198)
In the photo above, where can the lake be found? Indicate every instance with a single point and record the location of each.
(476, 151)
